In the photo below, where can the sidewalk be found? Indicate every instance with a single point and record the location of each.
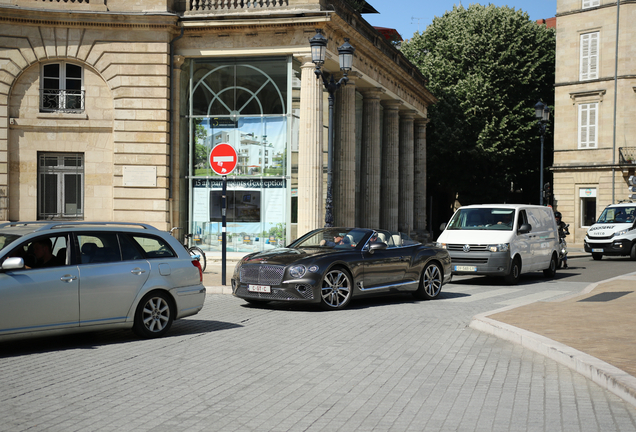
(592, 332)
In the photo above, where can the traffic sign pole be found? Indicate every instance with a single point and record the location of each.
(224, 229)
(223, 160)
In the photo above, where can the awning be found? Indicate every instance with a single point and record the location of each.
(389, 34)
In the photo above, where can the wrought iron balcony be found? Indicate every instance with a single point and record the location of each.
(626, 155)
(53, 100)
(233, 5)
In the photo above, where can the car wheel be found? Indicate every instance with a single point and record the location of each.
(597, 256)
(430, 283)
(551, 270)
(632, 253)
(512, 278)
(154, 315)
(336, 289)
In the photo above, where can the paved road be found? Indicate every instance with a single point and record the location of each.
(390, 364)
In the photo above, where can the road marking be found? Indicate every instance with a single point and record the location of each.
(531, 298)
(481, 296)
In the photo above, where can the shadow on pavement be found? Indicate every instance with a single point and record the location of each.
(95, 339)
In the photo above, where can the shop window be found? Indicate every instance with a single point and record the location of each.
(588, 125)
(589, 56)
(60, 185)
(61, 87)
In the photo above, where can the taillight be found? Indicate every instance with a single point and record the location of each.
(197, 264)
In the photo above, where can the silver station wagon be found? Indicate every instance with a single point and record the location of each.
(62, 277)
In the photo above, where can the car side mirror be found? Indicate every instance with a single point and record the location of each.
(14, 263)
(373, 246)
(525, 228)
(442, 227)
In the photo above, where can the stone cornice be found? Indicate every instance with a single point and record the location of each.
(86, 19)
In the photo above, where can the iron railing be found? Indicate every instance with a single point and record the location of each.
(62, 100)
(627, 155)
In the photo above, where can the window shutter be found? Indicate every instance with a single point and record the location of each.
(593, 61)
(589, 56)
(588, 125)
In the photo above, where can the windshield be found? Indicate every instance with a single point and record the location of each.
(6, 239)
(332, 238)
(495, 219)
(617, 215)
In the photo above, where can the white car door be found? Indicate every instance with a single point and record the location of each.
(39, 298)
(108, 283)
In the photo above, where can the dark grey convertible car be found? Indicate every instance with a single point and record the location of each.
(330, 266)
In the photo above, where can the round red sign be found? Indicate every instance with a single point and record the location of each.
(223, 159)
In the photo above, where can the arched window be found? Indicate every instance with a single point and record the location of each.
(62, 87)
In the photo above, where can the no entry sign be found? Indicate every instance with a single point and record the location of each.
(223, 159)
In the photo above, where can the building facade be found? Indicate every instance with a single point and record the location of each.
(595, 108)
(109, 111)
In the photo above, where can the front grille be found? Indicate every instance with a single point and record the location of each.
(260, 274)
(600, 238)
(473, 247)
(277, 294)
(468, 260)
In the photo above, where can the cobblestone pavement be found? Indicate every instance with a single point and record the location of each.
(389, 364)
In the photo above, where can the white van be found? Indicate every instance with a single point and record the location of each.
(613, 234)
(502, 240)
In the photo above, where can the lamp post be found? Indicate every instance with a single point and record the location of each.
(318, 45)
(542, 114)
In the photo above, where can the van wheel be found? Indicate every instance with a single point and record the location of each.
(632, 253)
(512, 278)
(551, 271)
(597, 256)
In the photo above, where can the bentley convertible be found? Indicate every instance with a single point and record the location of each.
(331, 266)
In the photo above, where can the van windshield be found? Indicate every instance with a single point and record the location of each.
(495, 219)
(617, 215)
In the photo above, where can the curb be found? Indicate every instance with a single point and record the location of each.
(604, 374)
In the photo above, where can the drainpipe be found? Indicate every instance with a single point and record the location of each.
(172, 126)
(618, 14)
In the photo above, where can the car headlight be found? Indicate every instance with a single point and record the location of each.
(297, 271)
(503, 247)
(620, 233)
(441, 245)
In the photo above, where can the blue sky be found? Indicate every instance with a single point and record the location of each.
(407, 15)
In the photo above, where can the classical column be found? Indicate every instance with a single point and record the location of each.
(419, 186)
(310, 143)
(405, 209)
(390, 179)
(370, 160)
(344, 163)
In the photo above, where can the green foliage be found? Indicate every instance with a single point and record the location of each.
(488, 66)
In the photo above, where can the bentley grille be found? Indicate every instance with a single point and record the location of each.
(262, 274)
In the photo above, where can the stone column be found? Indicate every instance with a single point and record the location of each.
(390, 179)
(370, 160)
(419, 199)
(310, 143)
(344, 162)
(405, 209)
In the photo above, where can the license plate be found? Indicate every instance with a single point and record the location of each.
(597, 250)
(259, 288)
(466, 268)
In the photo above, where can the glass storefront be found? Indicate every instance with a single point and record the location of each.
(246, 103)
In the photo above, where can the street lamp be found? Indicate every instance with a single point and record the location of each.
(318, 45)
(542, 114)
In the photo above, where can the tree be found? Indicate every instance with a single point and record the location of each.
(488, 66)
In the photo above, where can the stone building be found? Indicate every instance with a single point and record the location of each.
(595, 108)
(109, 110)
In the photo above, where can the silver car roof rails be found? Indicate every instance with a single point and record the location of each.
(47, 225)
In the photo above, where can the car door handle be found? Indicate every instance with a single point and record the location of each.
(68, 278)
(138, 271)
